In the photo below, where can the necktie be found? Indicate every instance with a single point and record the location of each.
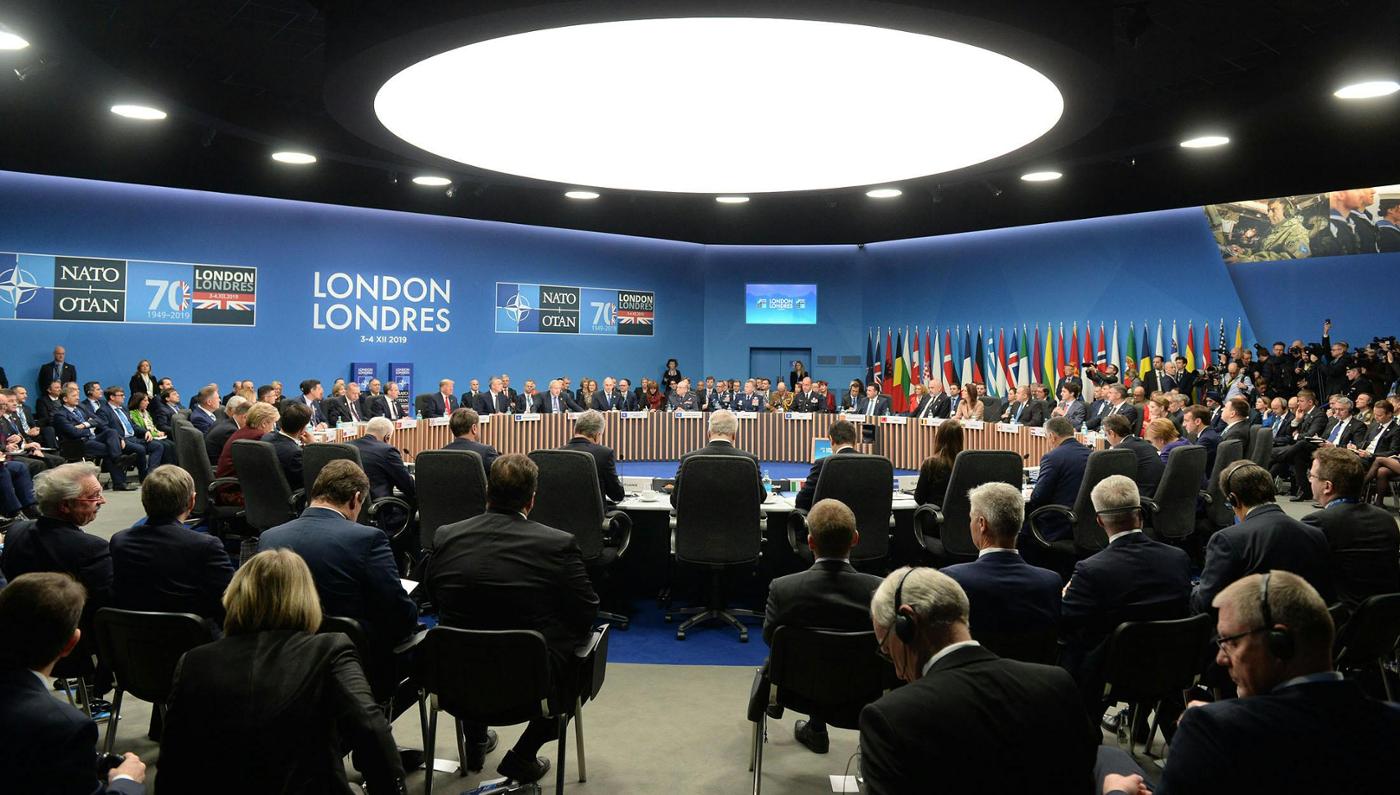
(126, 426)
(393, 409)
(1371, 448)
(1019, 408)
(21, 421)
(354, 412)
(556, 404)
(1337, 432)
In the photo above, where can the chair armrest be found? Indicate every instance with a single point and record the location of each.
(219, 483)
(412, 642)
(797, 530)
(1041, 511)
(923, 514)
(592, 659)
(1205, 495)
(760, 692)
(297, 501)
(1149, 510)
(621, 526)
(590, 646)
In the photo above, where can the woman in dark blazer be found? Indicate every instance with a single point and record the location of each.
(799, 371)
(937, 469)
(142, 380)
(273, 707)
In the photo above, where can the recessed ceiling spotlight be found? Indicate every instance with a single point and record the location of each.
(1205, 141)
(12, 41)
(1041, 176)
(431, 181)
(884, 193)
(582, 195)
(139, 112)
(732, 199)
(498, 104)
(294, 158)
(1367, 90)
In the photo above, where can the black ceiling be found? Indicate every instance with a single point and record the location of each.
(240, 77)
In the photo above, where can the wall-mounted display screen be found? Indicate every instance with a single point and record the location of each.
(785, 304)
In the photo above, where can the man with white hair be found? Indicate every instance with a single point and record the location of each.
(557, 400)
(1297, 726)
(1132, 579)
(724, 427)
(235, 416)
(950, 729)
(1008, 595)
(588, 437)
(383, 463)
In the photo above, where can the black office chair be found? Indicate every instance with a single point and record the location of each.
(1217, 513)
(1170, 513)
(502, 678)
(865, 484)
(719, 525)
(992, 407)
(1370, 638)
(568, 497)
(451, 488)
(1088, 537)
(268, 501)
(1149, 662)
(1041, 646)
(420, 404)
(816, 671)
(194, 459)
(1261, 445)
(143, 649)
(945, 529)
(315, 456)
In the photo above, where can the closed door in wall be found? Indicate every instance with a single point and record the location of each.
(776, 363)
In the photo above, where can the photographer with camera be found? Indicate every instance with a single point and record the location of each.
(1108, 376)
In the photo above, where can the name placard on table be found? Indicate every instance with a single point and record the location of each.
(406, 423)
(745, 415)
(894, 419)
(634, 415)
(528, 417)
(974, 425)
(797, 415)
(688, 415)
(573, 415)
(1039, 432)
(438, 422)
(483, 419)
(1009, 427)
(933, 422)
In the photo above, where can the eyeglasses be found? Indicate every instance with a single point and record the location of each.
(98, 498)
(882, 651)
(1227, 641)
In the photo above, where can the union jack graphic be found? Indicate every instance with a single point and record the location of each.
(624, 317)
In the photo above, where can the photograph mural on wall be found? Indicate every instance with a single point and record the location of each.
(1351, 221)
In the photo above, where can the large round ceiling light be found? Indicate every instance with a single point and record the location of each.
(719, 105)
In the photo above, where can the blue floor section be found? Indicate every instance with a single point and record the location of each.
(649, 639)
(667, 469)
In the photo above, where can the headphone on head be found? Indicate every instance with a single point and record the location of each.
(903, 625)
(1278, 641)
(1226, 487)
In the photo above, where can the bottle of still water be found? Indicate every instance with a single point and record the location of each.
(767, 483)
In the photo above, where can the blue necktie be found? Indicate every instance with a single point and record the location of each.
(126, 426)
(1336, 432)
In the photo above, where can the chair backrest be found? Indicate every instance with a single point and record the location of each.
(1226, 453)
(1148, 660)
(194, 459)
(1088, 536)
(1261, 445)
(420, 403)
(569, 498)
(865, 483)
(718, 515)
(498, 677)
(267, 497)
(992, 408)
(972, 468)
(317, 455)
(832, 673)
(451, 487)
(143, 649)
(1178, 491)
(1372, 632)
(1041, 647)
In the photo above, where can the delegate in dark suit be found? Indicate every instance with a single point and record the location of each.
(1030, 413)
(49, 544)
(550, 404)
(48, 374)
(1131, 412)
(339, 409)
(46, 744)
(803, 500)
(217, 437)
(488, 403)
(380, 406)
(355, 573)
(608, 401)
(830, 595)
(1388, 443)
(201, 419)
(1061, 472)
(1149, 463)
(1344, 432)
(606, 463)
(1094, 414)
(1007, 594)
(169, 568)
(436, 405)
(934, 406)
(720, 447)
(1305, 738)
(1239, 430)
(288, 456)
(383, 464)
(487, 452)
(290, 702)
(1209, 438)
(1365, 544)
(1267, 539)
(953, 730)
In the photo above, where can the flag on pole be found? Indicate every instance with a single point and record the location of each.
(979, 361)
(1088, 345)
(1224, 354)
(1239, 333)
(1190, 346)
(898, 382)
(1025, 376)
(1144, 363)
(1013, 361)
(1101, 356)
(950, 375)
(1059, 360)
(869, 358)
(916, 370)
(1205, 347)
(933, 348)
(1086, 386)
(1113, 353)
(1176, 348)
(1004, 378)
(1159, 350)
(1047, 365)
(965, 374)
(1073, 345)
(1130, 364)
(908, 370)
(887, 375)
(1037, 357)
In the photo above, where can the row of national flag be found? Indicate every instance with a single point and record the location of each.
(1001, 361)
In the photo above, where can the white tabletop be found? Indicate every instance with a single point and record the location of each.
(776, 503)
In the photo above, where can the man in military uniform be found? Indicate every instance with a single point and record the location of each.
(1287, 238)
(1340, 235)
(749, 401)
(1388, 228)
(681, 398)
(1361, 219)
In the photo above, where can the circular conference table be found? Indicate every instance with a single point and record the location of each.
(666, 436)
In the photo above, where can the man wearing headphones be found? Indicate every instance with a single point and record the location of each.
(1297, 725)
(1262, 538)
(948, 730)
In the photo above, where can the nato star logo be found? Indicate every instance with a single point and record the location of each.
(517, 308)
(17, 286)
